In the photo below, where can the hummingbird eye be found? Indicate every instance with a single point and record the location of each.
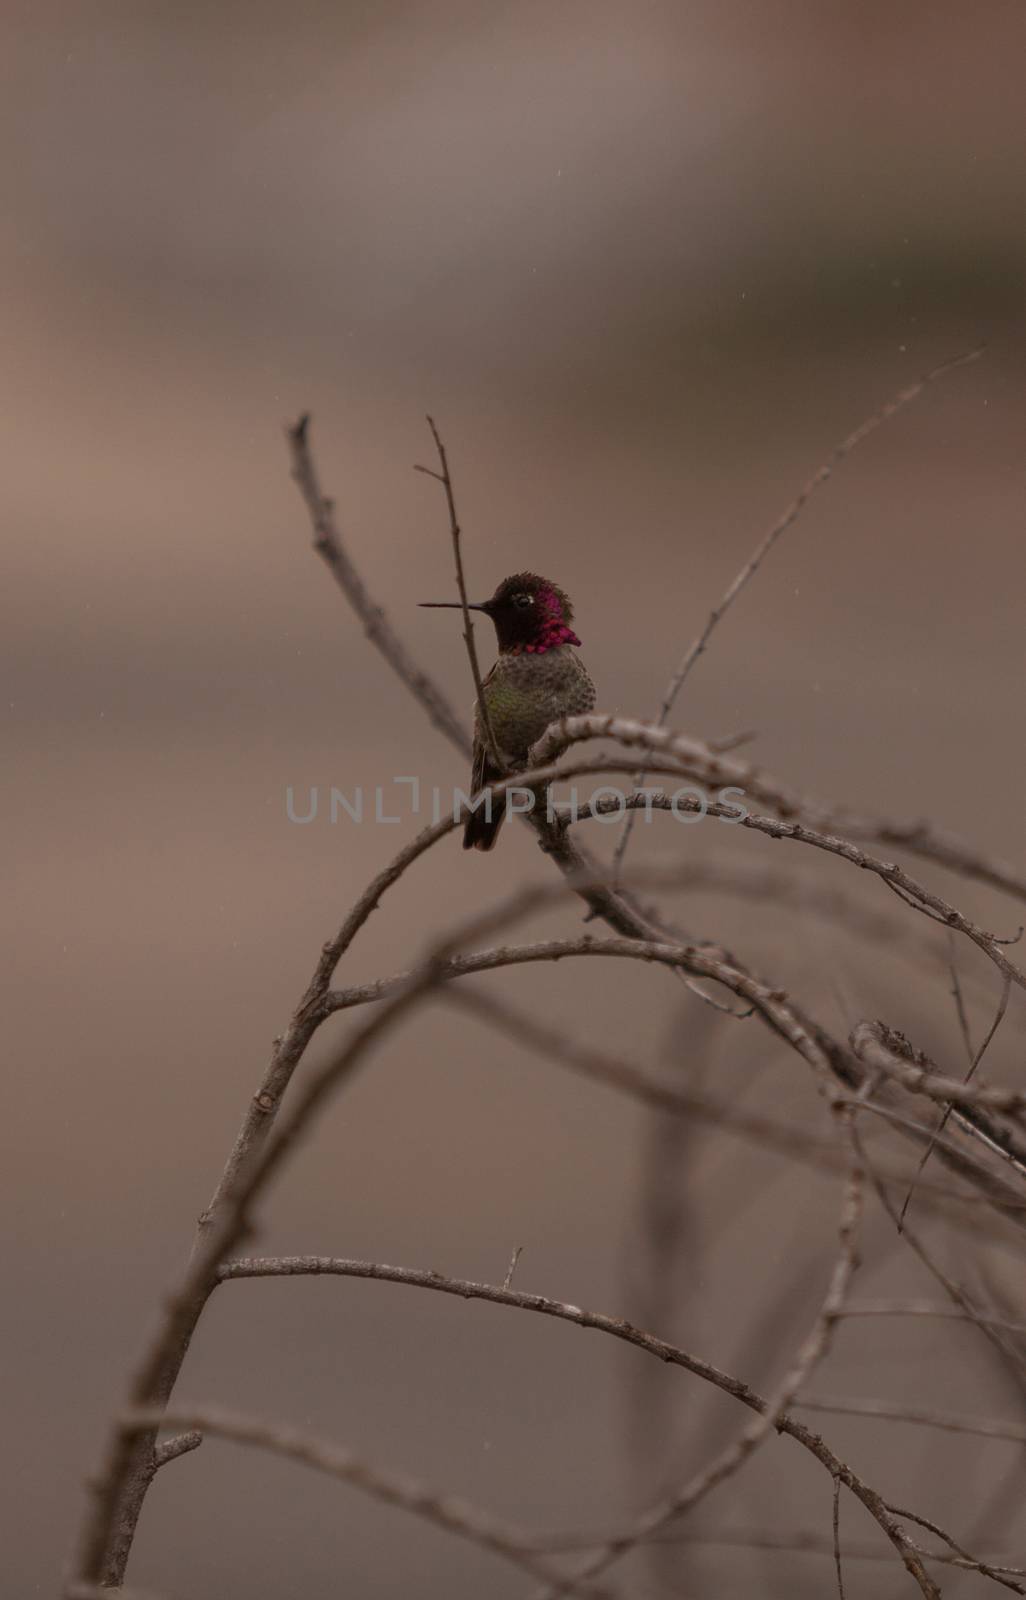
(522, 601)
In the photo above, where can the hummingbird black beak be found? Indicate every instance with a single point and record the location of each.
(472, 605)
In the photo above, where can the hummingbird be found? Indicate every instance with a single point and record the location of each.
(537, 679)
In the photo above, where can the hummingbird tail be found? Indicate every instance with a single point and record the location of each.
(479, 833)
(481, 828)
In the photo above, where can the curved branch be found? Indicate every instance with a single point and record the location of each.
(915, 894)
(704, 765)
(773, 1005)
(127, 1466)
(110, 1524)
(454, 1515)
(617, 1328)
(888, 1051)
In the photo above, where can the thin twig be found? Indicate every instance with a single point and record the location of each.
(946, 1113)
(762, 550)
(785, 889)
(969, 1561)
(992, 1190)
(836, 1520)
(331, 548)
(921, 1416)
(958, 997)
(924, 1308)
(810, 1543)
(445, 479)
(507, 1282)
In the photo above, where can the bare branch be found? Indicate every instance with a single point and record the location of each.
(992, 1190)
(971, 1562)
(445, 479)
(695, 760)
(887, 1051)
(913, 893)
(287, 1266)
(126, 1470)
(330, 547)
(454, 1515)
(180, 1445)
(132, 1455)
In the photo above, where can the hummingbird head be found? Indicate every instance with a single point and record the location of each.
(531, 615)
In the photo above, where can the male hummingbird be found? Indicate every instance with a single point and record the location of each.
(537, 679)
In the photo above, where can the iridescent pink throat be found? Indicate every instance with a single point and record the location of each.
(551, 640)
(554, 632)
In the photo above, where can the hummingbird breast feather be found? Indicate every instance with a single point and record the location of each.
(524, 693)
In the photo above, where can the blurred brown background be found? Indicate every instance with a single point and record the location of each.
(646, 265)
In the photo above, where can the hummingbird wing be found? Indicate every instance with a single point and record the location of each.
(479, 833)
